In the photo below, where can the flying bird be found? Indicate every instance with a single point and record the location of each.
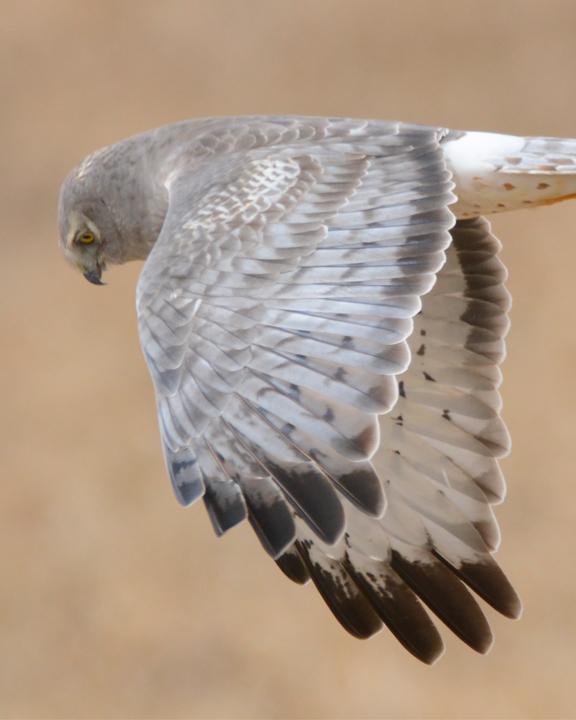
(323, 313)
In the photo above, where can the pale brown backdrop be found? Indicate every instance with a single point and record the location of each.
(114, 601)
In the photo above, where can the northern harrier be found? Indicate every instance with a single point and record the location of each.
(323, 313)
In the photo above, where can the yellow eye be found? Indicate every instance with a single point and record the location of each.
(86, 237)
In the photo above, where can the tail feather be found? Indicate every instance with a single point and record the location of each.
(494, 173)
(541, 155)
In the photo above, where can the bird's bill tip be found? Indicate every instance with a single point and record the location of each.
(94, 276)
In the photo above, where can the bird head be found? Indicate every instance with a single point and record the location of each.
(111, 210)
(89, 236)
(83, 246)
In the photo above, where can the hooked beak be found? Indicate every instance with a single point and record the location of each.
(94, 276)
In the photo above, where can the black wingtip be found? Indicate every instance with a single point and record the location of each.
(448, 598)
(402, 613)
(339, 591)
(489, 582)
(487, 579)
(292, 566)
(432, 657)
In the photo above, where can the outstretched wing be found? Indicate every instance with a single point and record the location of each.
(274, 314)
(438, 461)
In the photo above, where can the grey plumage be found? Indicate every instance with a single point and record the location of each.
(323, 327)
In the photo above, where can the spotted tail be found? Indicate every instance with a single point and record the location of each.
(494, 173)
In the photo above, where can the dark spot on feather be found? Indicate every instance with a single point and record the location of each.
(186, 479)
(508, 186)
(300, 357)
(287, 428)
(399, 420)
(294, 391)
(401, 390)
(396, 452)
(501, 205)
(526, 202)
(480, 313)
(446, 414)
(179, 465)
(340, 374)
(421, 350)
(271, 520)
(364, 442)
(347, 341)
(328, 415)
(428, 377)
(477, 339)
(225, 505)
(363, 488)
(542, 185)
(423, 333)
(312, 494)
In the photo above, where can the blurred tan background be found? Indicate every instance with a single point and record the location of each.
(115, 602)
